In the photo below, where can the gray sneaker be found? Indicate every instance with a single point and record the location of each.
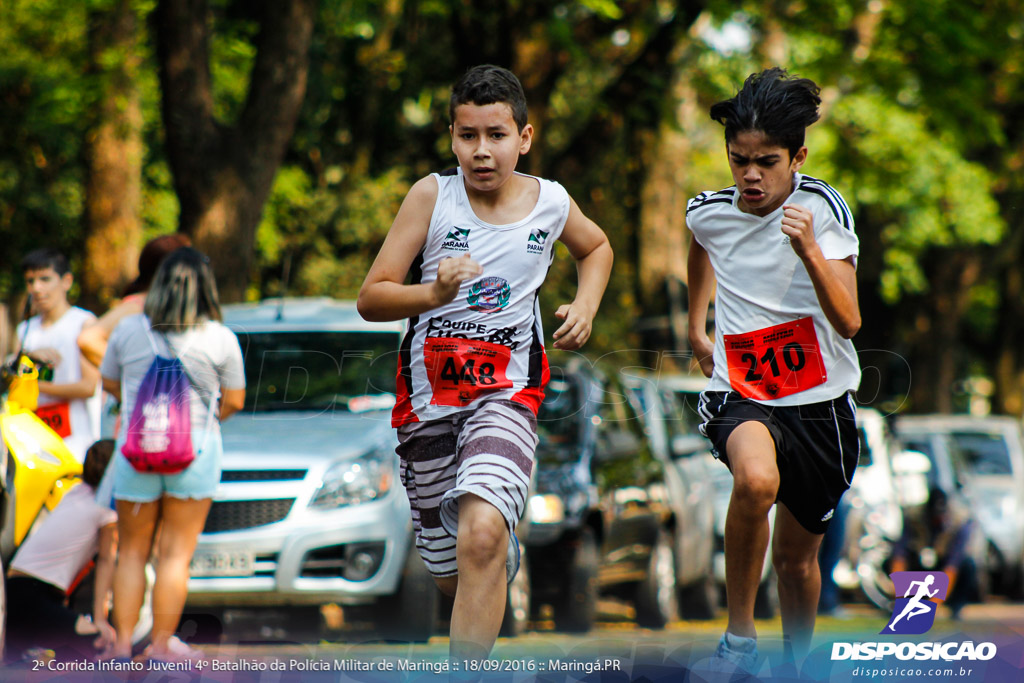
(735, 659)
(512, 559)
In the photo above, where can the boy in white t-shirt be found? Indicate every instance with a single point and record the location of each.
(69, 401)
(778, 408)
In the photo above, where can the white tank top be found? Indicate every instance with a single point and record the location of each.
(487, 343)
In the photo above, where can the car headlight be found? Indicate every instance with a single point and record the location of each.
(1008, 506)
(355, 481)
(546, 509)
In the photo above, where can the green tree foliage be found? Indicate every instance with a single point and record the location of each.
(42, 125)
(49, 102)
(920, 132)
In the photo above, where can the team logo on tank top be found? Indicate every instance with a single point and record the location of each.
(489, 295)
(535, 242)
(457, 240)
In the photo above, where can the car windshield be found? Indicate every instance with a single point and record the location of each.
(558, 422)
(984, 453)
(319, 370)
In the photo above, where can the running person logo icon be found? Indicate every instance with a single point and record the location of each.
(914, 612)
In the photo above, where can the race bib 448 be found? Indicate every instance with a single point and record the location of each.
(775, 361)
(460, 370)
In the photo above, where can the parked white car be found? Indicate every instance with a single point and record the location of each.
(992, 448)
(310, 509)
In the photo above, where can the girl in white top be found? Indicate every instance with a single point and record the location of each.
(182, 303)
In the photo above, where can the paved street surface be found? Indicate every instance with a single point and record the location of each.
(614, 651)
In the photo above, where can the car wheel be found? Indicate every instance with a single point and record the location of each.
(766, 602)
(656, 599)
(700, 599)
(576, 610)
(517, 602)
(410, 615)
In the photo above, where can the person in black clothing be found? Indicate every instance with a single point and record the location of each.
(938, 539)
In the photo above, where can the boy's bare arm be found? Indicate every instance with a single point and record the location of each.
(83, 388)
(384, 294)
(589, 246)
(835, 281)
(700, 282)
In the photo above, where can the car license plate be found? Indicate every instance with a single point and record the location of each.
(222, 563)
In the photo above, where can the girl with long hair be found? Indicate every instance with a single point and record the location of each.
(182, 317)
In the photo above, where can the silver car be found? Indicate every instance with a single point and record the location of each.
(993, 450)
(310, 509)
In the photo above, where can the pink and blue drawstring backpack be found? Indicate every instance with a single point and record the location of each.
(159, 434)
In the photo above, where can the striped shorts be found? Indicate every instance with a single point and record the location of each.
(487, 452)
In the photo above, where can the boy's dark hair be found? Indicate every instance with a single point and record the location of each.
(46, 257)
(96, 459)
(487, 84)
(773, 102)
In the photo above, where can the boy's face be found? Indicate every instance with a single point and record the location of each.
(488, 144)
(47, 289)
(763, 171)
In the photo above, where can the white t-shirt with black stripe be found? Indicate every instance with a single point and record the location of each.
(761, 282)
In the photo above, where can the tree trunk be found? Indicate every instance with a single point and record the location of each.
(223, 174)
(113, 154)
(939, 360)
(1008, 355)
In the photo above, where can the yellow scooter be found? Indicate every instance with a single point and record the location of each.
(44, 468)
(36, 468)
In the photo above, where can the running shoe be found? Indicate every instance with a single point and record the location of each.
(735, 659)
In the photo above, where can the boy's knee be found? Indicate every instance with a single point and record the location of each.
(482, 538)
(756, 489)
(794, 568)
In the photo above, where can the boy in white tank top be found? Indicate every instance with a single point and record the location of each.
(69, 401)
(472, 367)
(782, 250)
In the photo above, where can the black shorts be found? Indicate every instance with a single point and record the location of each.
(817, 447)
